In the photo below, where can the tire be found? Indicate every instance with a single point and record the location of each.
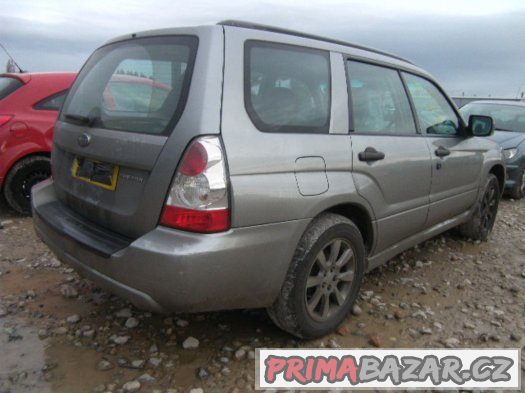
(480, 224)
(21, 178)
(518, 191)
(295, 310)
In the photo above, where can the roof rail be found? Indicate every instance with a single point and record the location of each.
(273, 29)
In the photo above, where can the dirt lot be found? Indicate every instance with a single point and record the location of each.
(59, 333)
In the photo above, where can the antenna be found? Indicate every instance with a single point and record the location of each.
(11, 57)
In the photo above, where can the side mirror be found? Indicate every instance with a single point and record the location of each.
(480, 125)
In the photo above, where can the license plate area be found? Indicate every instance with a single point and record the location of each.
(98, 173)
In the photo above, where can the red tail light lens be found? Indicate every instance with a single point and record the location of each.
(205, 221)
(198, 200)
(4, 119)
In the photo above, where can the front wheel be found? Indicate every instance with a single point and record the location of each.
(480, 224)
(21, 178)
(323, 280)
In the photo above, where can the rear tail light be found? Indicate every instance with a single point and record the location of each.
(4, 119)
(198, 200)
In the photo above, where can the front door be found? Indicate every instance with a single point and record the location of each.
(456, 159)
(391, 161)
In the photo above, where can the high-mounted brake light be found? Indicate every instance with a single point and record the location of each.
(198, 199)
(4, 119)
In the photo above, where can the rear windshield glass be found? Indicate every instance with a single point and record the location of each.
(138, 85)
(8, 85)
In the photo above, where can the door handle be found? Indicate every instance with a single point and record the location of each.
(442, 151)
(371, 154)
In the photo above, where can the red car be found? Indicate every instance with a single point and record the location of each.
(29, 105)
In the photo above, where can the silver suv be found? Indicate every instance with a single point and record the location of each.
(240, 165)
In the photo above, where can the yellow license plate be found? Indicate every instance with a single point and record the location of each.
(99, 173)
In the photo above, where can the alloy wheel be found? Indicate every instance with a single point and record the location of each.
(330, 279)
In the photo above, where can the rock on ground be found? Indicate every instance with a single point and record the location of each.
(132, 386)
(190, 343)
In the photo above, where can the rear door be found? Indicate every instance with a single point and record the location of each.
(284, 126)
(391, 161)
(456, 159)
(129, 116)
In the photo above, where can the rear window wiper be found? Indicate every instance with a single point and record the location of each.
(79, 119)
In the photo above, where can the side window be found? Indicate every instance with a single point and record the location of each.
(379, 100)
(8, 86)
(434, 113)
(52, 103)
(287, 88)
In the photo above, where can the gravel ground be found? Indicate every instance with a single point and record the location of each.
(60, 333)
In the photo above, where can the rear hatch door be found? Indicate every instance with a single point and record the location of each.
(125, 124)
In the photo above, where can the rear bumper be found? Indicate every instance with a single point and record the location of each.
(170, 270)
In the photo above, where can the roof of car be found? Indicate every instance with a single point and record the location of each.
(499, 102)
(327, 43)
(273, 29)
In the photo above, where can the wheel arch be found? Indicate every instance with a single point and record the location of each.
(499, 171)
(360, 216)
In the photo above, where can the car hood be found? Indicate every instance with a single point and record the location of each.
(508, 139)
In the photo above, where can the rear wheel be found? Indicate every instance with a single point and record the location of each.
(323, 280)
(21, 178)
(480, 224)
(518, 191)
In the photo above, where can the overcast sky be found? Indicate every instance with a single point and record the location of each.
(471, 46)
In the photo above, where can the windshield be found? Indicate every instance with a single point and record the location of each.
(138, 85)
(506, 117)
(8, 85)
